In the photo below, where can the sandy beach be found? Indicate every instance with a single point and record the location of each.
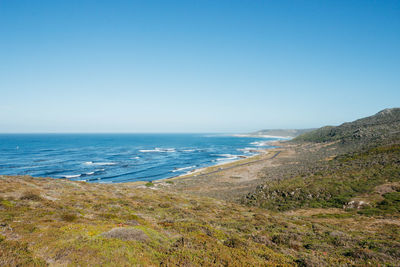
(226, 181)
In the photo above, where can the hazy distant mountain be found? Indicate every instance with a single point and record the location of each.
(281, 132)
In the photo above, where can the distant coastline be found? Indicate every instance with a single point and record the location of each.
(278, 133)
(263, 136)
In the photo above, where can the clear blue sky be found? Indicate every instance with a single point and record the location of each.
(195, 66)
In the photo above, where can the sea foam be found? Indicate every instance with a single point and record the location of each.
(183, 168)
(72, 176)
(157, 150)
(100, 163)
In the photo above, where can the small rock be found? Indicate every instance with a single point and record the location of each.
(355, 204)
(336, 233)
(132, 222)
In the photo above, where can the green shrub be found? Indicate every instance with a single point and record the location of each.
(370, 211)
(149, 184)
(7, 203)
(333, 215)
(233, 242)
(68, 217)
(29, 195)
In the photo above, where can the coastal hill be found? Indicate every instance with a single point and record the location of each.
(356, 162)
(316, 200)
(383, 125)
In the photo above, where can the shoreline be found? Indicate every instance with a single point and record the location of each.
(241, 159)
(213, 168)
(195, 172)
(205, 170)
(219, 166)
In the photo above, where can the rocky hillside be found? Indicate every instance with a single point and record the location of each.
(355, 158)
(336, 182)
(354, 167)
(383, 125)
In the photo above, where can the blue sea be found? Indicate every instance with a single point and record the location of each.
(118, 158)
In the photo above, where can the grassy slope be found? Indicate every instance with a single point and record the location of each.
(62, 222)
(48, 221)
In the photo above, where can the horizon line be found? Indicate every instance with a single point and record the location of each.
(161, 132)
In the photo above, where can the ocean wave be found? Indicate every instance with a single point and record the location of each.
(72, 176)
(183, 168)
(260, 143)
(53, 172)
(227, 158)
(100, 163)
(158, 150)
(248, 150)
(124, 174)
(227, 155)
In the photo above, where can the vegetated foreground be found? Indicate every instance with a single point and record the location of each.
(334, 203)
